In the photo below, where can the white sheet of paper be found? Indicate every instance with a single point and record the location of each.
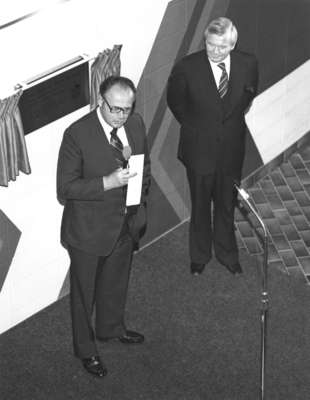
(134, 187)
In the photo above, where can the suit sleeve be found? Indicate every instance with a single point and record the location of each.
(177, 92)
(147, 166)
(255, 75)
(71, 185)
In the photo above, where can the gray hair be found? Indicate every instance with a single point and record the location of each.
(222, 27)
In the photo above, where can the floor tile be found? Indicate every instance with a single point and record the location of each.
(297, 274)
(306, 212)
(304, 176)
(278, 264)
(258, 196)
(281, 242)
(299, 248)
(301, 222)
(289, 258)
(293, 207)
(267, 186)
(302, 199)
(285, 193)
(282, 200)
(245, 229)
(275, 201)
(305, 235)
(253, 245)
(265, 211)
(283, 217)
(253, 221)
(287, 170)
(305, 153)
(273, 226)
(307, 164)
(273, 253)
(296, 161)
(305, 263)
(239, 239)
(291, 232)
(294, 183)
(238, 215)
(307, 187)
(277, 178)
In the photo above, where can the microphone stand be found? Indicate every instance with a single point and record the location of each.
(264, 293)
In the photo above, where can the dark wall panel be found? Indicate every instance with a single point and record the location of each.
(277, 31)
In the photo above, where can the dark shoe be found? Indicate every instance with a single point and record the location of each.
(94, 366)
(129, 337)
(234, 268)
(197, 268)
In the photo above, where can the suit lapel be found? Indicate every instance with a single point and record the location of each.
(104, 143)
(212, 94)
(130, 135)
(235, 85)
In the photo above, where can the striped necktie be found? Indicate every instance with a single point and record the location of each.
(117, 146)
(223, 85)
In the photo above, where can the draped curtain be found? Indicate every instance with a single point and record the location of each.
(107, 63)
(13, 151)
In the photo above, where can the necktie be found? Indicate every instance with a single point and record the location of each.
(223, 86)
(117, 147)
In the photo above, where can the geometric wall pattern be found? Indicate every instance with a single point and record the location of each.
(9, 237)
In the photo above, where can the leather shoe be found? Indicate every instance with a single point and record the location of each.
(197, 268)
(94, 366)
(234, 268)
(129, 337)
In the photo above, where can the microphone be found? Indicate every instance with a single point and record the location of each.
(242, 192)
(126, 154)
(246, 198)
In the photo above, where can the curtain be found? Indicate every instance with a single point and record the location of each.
(13, 151)
(107, 63)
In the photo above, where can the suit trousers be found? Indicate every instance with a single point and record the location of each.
(215, 191)
(99, 283)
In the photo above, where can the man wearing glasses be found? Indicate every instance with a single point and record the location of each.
(98, 230)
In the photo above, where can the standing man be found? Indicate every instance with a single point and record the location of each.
(98, 230)
(209, 93)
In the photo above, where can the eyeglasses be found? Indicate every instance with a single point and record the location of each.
(117, 110)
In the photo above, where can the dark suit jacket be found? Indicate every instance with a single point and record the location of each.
(212, 130)
(92, 218)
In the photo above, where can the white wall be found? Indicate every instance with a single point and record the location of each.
(279, 116)
(60, 32)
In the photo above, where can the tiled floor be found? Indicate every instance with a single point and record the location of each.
(282, 200)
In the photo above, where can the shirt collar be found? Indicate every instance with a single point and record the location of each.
(226, 61)
(106, 127)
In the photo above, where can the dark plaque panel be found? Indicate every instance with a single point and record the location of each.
(54, 98)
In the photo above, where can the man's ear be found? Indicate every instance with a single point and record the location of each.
(100, 101)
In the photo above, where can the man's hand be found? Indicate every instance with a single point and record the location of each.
(118, 178)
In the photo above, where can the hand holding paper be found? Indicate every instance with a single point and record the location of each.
(134, 186)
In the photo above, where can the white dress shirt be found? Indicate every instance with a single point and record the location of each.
(107, 129)
(217, 72)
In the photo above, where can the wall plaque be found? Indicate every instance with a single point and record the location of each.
(54, 98)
